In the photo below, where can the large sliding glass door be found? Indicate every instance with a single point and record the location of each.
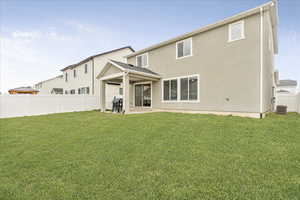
(142, 95)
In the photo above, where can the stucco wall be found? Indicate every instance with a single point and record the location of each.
(268, 63)
(227, 70)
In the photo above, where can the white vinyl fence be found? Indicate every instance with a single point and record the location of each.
(292, 101)
(27, 105)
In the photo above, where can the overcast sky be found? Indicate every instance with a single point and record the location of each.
(38, 38)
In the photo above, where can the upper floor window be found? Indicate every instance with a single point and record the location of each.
(66, 77)
(74, 73)
(184, 48)
(142, 60)
(85, 68)
(236, 31)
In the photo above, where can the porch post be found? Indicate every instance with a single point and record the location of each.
(102, 96)
(126, 92)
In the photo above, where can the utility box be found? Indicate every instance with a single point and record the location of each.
(280, 109)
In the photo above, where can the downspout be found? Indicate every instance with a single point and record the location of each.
(261, 64)
(93, 76)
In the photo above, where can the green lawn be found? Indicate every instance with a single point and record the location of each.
(91, 155)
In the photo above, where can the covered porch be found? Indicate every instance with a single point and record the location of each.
(136, 83)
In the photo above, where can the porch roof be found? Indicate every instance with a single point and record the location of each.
(126, 68)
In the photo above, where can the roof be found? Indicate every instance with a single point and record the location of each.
(272, 5)
(134, 68)
(23, 89)
(287, 82)
(91, 57)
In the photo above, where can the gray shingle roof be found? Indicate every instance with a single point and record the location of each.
(134, 68)
(287, 83)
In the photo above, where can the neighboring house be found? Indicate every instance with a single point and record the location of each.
(51, 86)
(80, 78)
(226, 67)
(23, 90)
(287, 87)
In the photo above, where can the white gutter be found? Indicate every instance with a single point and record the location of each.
(261, 61)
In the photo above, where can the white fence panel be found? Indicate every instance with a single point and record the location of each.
(27, 105)
(292, 101)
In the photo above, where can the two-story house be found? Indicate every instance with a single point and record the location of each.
(80, 78)
(51, 86)
(226, 68)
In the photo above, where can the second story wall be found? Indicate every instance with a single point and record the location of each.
(226, 69)
(81, 79)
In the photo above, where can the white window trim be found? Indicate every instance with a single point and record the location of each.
(178, 90)
(142, 55)
(177, 58)
(243, 31)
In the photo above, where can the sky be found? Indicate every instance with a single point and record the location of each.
(38, 38)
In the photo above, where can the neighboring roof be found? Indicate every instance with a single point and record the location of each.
(24, 89)
(134, 68)
(287, 82)
(272, 5)
(100, 54)
(60, 76)
(283, 91)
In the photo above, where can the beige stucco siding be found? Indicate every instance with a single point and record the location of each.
(112, 70)
(228, 70)
(268, 63)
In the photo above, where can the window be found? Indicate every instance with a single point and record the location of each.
(181, 89)
(74, 73)
(184, 91)
(236, 31)
(174, 89)
(72, 91)
(120, 91)
(66, 91)
(142, 60)
(170, 90)
(79, 90)
(184, 48)
(66, 77)
(85, 68)
(166, 90)
(87, 90)
(193, 88)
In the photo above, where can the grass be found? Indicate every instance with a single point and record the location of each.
(91, 155)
